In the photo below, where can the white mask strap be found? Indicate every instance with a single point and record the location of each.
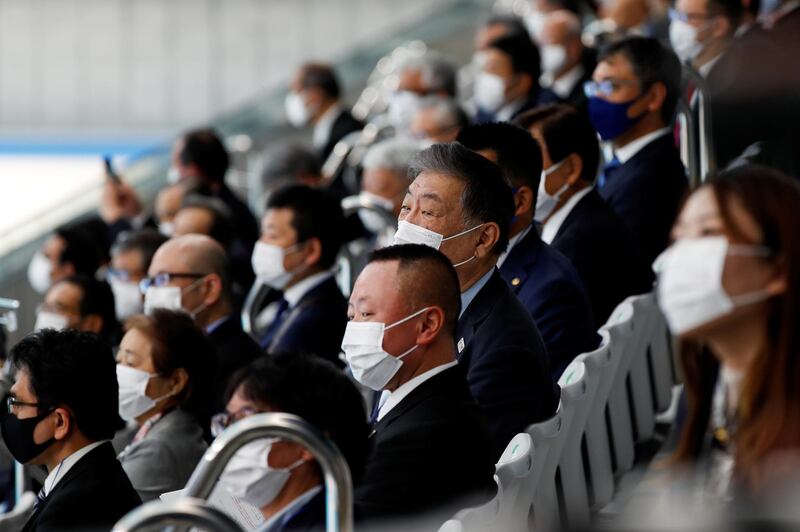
(417, 313)
(554, 167)
(463, 262)
(462, 233)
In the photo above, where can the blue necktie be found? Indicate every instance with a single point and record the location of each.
(608, 170)
(280, 316)
(376, 409)
(40, 497)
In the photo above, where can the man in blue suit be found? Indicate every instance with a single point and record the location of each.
(632, 100)
(542, 278)
(460, 203)
(300, 239)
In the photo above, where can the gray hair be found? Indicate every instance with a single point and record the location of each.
(287, 161)
(447, 112)
(438, 72)
(394, 154)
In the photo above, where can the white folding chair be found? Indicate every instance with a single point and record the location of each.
(620, 430)
(510, 508)
(598, 449)
(16, 518)
(641, 398)
(660, 356)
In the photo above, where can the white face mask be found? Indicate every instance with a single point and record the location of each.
(50, 320)
(39, 273)
(545, 203)
(133, 399)
(170, 298)
(166, 228)
(408, 233)
(554, 57)
(363, 348)
(249, 477)
(683, 37)
(490, 92)
(690, 291)
(403, 106)
(267, 262)
(296, 110)
(127, 298)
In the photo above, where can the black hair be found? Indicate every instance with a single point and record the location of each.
(316, 213)
(730, 9)
(145, 241)
(97, 299)
(514, 24)
(518, 153)
(95, 230)
(73, 369)
(204, 148)
(78, 250)
(565, 131)
(487, 196)
(322, 77)
(652, 63)
(523, 53)
(177, 342)
(427, 277)
(222, 229)
(314, 389)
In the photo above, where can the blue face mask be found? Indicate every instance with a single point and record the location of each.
(611, 119)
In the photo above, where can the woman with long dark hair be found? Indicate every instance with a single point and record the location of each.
(730, 289)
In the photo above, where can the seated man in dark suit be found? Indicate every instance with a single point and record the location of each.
(61, 414)
(542, 278)
(300, 239)
(508, 83)
(631, 103)
(575, 219)
(461, 201)
(190, 272)
(318, 392)
(315, 99)
(429, 449)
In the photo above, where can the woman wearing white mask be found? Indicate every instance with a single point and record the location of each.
(729, 287)
(281, 478)
(164, 370)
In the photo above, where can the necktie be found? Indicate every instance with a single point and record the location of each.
(608, 170)
(280, 317)
(376, 409)
(40, 497)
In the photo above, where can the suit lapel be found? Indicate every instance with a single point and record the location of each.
(476, 313)
(521, 258)
(309, 299)
(586, 204)
(420, 393)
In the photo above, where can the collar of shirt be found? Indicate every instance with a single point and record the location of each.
(511, 243)
(276, 522)
(214, 325)
(390, 400)
(706, 68)
(563, 85)
(507, 111)
(557, 218)
(469, 294)
(294, 294)
(626, 152)
(322, 129)
(60, 471)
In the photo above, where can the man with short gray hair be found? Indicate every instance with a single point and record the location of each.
(438, 121)
(418, 77)
(385, 179)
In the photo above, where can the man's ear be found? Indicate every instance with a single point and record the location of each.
(213, 283)
(62, 420)
(314, 250)
(523, 200)
(489, 235)
(575, 165)
(657, 94)
(431, 324)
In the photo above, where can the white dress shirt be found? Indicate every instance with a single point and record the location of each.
(390, 400)
(322, 129)
(553, 224)
(276, 521)
(563, 86)
(626, 152)
(60, 471)
(511, 243)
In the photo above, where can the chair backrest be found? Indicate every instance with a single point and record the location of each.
(642, 398)
(510, 507)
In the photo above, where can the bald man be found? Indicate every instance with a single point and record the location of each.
(566, 64)
(190, 272)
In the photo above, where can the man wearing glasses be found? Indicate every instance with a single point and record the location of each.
(632, 99)
(51, 420)
(190, 273)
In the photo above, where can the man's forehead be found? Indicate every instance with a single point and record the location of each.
(377, 282)
(615, 64)
(22, 384)
(443, 185)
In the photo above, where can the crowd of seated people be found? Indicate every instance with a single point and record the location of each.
(509, 207)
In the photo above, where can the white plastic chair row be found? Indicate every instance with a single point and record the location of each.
(609, 398)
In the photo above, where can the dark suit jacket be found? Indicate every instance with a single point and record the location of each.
(548, 285)
(601, 248)
(310, 517)
(244, 223)
(646, 193)
(316, 324)
(542, 96)
(234, 350)
(344, 124)
(93, 495)
(428, 452)
(506, 362)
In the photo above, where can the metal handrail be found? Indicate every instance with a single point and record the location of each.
(185, 511)
(338, 484)
(707, 162)
(351, 205)
(255, 299)
(688, 141)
